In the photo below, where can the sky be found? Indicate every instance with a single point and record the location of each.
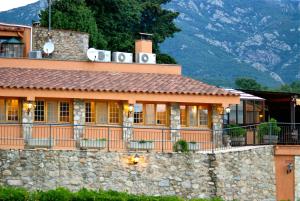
(10, 4)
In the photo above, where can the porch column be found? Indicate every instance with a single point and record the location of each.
(27, 120)
(127, 123)
(217, 126)
(175, 121)
(79, 118)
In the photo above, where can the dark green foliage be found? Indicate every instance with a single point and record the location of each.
(267, 128)
(74, 15)
(181, 145)
(294, 87)
(236, 131)
(248, 83)
(115, 24)
(13, 194)
(62, 194)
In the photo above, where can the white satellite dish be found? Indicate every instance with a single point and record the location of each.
(48, 47)
(92, 54)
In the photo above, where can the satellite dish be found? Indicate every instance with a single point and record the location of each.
(48, 47)
(92, 54)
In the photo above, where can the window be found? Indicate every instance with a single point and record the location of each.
(203, 116)
(240, 113)
(64, 111)
(114, 112)
(249, 112)
(182, 115)
(52, 112)
(2, 110)
(12, 107)
(194, 116)
(161, 114)
(150, 114)
(101, 111)
(90, 112)
(258, 110)
(232, 114)
(39, 112)
(138, 117)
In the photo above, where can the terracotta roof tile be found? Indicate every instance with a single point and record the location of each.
(105, 81)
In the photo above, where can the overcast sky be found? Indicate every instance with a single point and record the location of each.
(9, 4)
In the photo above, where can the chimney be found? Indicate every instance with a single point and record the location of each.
(144, 44)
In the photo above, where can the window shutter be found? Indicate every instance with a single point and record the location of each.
(150, 114)
(2, 110)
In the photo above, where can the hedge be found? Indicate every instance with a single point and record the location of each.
(62, 194)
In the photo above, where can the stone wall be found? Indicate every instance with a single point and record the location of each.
(244, 175)
(69, 45)
(297, 177)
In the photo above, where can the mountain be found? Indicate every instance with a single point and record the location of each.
(25, 14)
(222, 40)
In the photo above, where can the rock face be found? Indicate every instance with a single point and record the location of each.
(242, 175)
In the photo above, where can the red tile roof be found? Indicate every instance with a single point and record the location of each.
(25, 78)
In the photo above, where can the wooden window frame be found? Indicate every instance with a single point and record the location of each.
(70, 111)
(6, 110)
(119, 114)
(209, 117)
(45, 111)
(143, 115)
(93, 118)
(155, 114)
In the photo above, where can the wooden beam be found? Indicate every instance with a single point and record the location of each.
(9, 33)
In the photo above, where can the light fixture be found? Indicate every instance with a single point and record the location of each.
(261, 116)
(194, 109)
(130, 110)
(134, 159)
(227, 110)
(28, 106)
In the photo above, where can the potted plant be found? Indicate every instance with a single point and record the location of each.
(41, 142)
(268, 132)
(93, 143)
(181, 145)
(237, 135)
(141, 144)
(193, 146)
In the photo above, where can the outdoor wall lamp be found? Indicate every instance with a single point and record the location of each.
(28, 106)
(290, 167)
(130, 110)
(227, 110)
(134, 159)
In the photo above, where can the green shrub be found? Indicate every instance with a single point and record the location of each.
(62, 194)
(181, 145)
(236, 131)
(13, 194)
(270, 126)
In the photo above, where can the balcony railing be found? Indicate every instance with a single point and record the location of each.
(117, 138)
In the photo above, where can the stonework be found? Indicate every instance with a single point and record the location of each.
(175, 121)
(127, 123)
(27, 120)
(217, 126)
(69, 45)
(79, 118)
(297, 177)
(243, 175)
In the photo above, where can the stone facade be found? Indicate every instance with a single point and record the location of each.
(175, 121)
(127, 123)
(297, 177)
(79, 118)
(69, 45)
(244, 175)
(217, 126)
(27, 120)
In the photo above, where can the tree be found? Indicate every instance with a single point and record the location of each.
(74, 15)
(115, 24)
(294, 87)
(248, 83)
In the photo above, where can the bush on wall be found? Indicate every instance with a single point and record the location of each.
(19, 194)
